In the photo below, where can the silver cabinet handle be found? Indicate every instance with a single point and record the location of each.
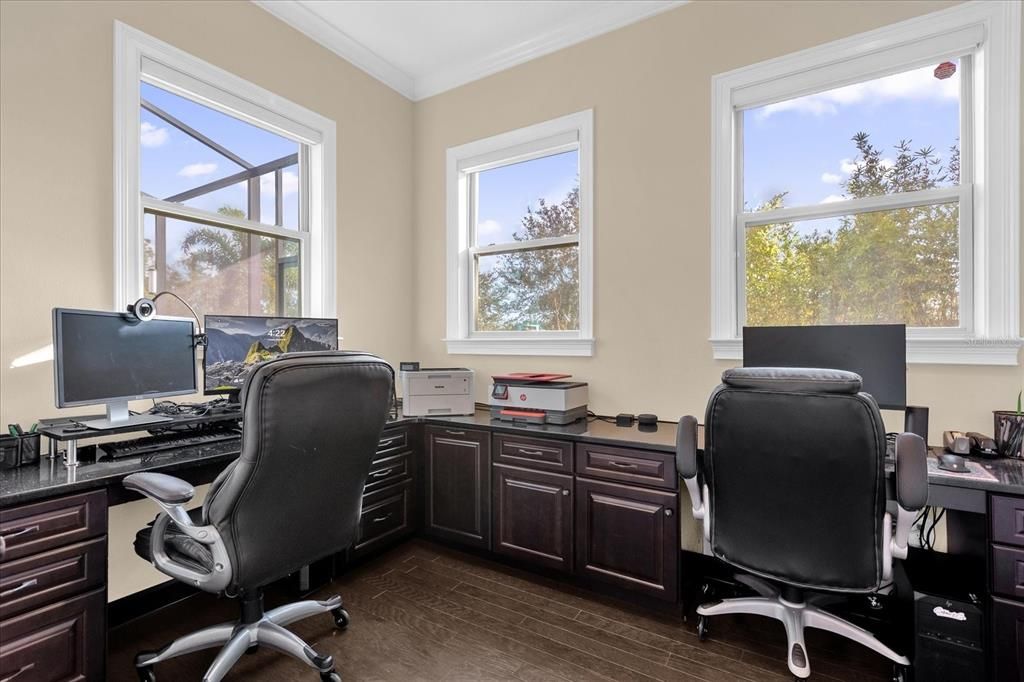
(668, 512)
(382, 474)
(23, 586)
(23, 531)
(455, 433)
(532, 453)
(382, 518)
(384, 443)
(22, 669)
(620, 465)
(565, 491)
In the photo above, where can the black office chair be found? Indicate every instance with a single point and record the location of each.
(312, 422)
(791, 490)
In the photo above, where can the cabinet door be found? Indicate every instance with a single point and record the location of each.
(628, 536)
(1007, 640)
(533, 516)
(458, 485)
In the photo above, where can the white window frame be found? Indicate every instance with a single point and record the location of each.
(574, 131)
(989, 196)
(139, 58)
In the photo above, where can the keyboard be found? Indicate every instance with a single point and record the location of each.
(169, 441)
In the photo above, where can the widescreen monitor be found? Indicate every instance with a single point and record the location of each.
(877, 352)
(237, 343)
(110, 358)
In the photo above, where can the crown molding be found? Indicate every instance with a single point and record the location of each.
(303, 20)
(603, 20)
(608, 18)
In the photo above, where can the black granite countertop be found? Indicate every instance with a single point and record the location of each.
(50, 478)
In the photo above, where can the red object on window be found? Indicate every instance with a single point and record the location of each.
(945, 70)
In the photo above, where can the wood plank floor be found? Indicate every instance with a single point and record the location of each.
(426, 612)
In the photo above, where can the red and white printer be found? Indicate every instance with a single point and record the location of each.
(537, 398)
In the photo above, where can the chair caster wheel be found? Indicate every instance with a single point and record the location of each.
(330, 676)
(341, 618)
(900, 673)
(146, 674)
(703, 628)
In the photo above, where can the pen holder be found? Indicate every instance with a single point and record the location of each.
(29, 453)
(10, 452)
(1009, 433)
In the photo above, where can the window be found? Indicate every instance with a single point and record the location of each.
(519, 231)
(225, 191)
(861, 182)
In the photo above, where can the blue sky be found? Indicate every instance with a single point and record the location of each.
(802, 146)
(172, 161)
(504, 193)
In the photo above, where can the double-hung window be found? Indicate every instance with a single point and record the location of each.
(869, 181)
(519, 241)
(225, 191)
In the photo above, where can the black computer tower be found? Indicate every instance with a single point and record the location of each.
(949, 642)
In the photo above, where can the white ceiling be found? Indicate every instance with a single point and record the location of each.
(423, 47)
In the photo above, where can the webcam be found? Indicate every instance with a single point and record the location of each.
(143, 309)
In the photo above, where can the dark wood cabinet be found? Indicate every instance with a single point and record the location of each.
(458, 485)
(628, 536)
(1007, 640)
(386, 517)
(533, 516)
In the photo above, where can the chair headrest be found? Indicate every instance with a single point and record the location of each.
(796, 379)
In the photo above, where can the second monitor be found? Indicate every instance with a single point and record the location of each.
(877, 352)
(237, 343)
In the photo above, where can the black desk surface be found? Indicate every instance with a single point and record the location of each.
(50, 478)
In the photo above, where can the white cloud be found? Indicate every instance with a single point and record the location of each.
(887, 163)
(194, 170)
(847, 166)
(832, 198)
(151, 136)
(831, 178)
(919, 84)
(488, 227)
(289, 183)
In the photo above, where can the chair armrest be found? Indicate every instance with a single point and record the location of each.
(160, 487)
(686, 463)
(911, 489)
(171, 494)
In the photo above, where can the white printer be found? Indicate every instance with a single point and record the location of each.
(437, 391)
(537, 398)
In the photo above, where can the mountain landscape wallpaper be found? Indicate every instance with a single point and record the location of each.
(237, 344)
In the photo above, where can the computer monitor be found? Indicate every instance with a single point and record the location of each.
(877, 352)
(110, 358)
(237, 343)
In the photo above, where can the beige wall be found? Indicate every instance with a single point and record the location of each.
(56, 167)
(649, 86)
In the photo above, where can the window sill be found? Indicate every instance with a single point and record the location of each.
(920, 351)
(525, 346)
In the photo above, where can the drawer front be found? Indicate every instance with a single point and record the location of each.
(1008, 520)
(64, 641)
(39, 526)
(1007, 640)
(386, 471)
(48, 577)
(654, 469)
(1008, 571)
(385, 516)
(534, 453)
(390, 441)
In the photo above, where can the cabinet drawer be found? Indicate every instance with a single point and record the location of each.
(1008, 520)
(535, 453)
(44, 578)
(390, 441)
(39, 526)
(1008, 571)
(386, 471)
(654, 469)
(385, 515)
(64, 641)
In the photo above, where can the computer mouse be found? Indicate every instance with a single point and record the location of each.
(956, 463)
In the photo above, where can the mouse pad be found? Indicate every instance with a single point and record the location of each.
(977, 471)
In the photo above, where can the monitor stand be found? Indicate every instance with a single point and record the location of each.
(118, 417)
